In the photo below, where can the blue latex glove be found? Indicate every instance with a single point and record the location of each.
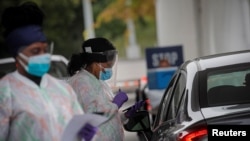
(132, 110)
(87, 132)
(120, 98)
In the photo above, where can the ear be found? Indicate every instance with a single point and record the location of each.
(19, 67)
(17, 63)
(100, 67)
(94, 69)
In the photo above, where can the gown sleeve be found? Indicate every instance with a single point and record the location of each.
(5, 110)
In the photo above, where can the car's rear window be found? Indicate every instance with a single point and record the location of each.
(230, 85)
(58, 69)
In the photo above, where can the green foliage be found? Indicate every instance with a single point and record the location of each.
(143, 13)
(64, 23)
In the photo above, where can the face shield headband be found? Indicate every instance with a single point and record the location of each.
(109, 56)
(50, 48)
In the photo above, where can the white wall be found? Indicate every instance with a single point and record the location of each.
(203, 27)
(225, 26)
(176, 24)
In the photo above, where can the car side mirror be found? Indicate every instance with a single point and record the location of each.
(139, 122)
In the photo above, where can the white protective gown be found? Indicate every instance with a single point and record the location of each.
(29, 112)
(96, 96)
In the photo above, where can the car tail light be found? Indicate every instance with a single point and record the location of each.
(148, 105)
(198, 135)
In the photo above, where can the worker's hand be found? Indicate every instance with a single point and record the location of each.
(120, 98)
(132, 110)
(87, 132)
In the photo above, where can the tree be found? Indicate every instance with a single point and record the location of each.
(124, 9)
(64, 22)
(112, 20)
(62, 25)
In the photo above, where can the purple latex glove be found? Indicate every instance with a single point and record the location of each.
(87, 132)
(120, 98)
(132, 110)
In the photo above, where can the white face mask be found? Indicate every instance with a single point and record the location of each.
(37, 65)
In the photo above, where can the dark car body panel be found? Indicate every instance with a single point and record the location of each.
(231, 115)
(185, 107)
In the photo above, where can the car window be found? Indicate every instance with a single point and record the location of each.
(227, 86)
(58, 69)
(176, 97)
(164, 102)
(6, 68)
(172, 99)
(165, 105)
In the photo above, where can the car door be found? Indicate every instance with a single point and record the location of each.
(169, 107)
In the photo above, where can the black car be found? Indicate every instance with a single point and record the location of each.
(207, 97)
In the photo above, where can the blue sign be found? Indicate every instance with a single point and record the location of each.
(172, 54)
(162, 62)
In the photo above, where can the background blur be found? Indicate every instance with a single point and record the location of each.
(65, 22)
(201, 27)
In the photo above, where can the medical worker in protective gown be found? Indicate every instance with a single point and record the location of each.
(90, 71)
(34, 106)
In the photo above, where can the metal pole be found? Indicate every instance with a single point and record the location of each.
(133, 50)
(88, 19)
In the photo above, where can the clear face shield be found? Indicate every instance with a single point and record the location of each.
(49, 48)
(112, 59)
(113, 62)
(37, 64)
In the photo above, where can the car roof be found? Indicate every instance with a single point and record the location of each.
(7, 60)
(221, 59)
(59, 58)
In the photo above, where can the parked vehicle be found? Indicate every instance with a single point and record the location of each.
(203, 92)
(58, 66)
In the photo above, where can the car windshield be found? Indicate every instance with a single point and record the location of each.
(228, 85)
(58, 69)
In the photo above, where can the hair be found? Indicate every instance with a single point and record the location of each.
(19, 24)
(75, 64)
(85, 58)
(15, 17)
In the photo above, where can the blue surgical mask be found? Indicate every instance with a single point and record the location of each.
(37, 65)
(106, 73)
